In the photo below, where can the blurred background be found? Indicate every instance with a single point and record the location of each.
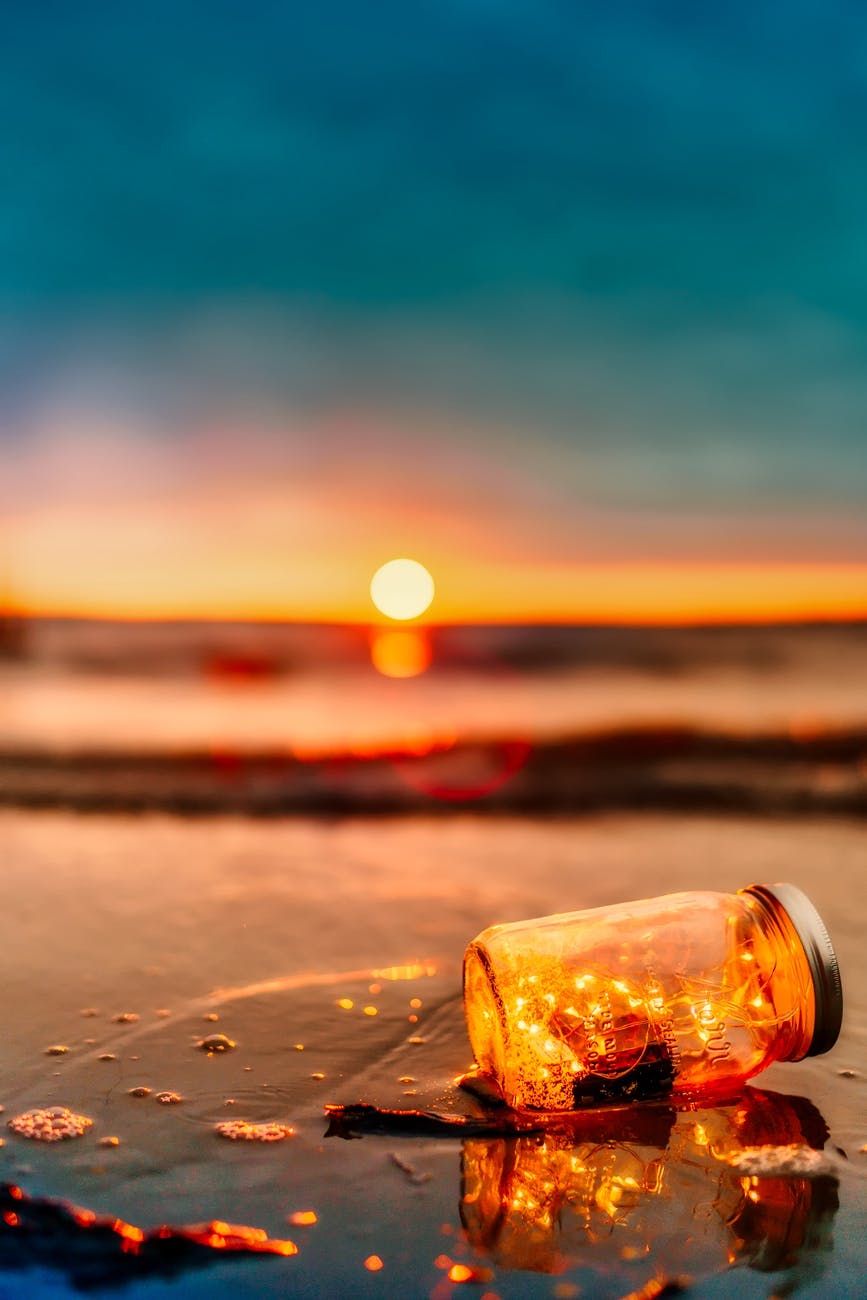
(440, 428)
(564, 303)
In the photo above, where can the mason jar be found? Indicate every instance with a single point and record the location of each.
(690, 993)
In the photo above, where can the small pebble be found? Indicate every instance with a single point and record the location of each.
(302, 1218)
(89, 1012)
(415, 1040)
(241, 1130)
(212, 1016)
(317, 1075)
(57, 1049)
(107, 1056)
(109, 1142)
(140, 1091)
(52, 1124)
(299, 1047)
(848, 1074)
(163, 1012)
(407, 1078)
(125, 1018)
(168, 1098)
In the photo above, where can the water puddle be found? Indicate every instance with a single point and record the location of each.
(167, 1117)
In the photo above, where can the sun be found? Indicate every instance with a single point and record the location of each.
(402, 589)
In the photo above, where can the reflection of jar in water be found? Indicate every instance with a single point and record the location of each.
(647, 1178)
(690, 993)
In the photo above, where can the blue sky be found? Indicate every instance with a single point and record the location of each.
(619, 249)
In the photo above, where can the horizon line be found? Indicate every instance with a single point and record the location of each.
(806, 618)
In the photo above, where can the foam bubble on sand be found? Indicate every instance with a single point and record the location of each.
(771, 1161)
(241, 1130)
(216, 1043)
(52, 1124)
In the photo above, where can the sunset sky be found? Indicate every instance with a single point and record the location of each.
(568, 303)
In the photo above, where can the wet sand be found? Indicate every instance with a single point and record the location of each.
(270, 926)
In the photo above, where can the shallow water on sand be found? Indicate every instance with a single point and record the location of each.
(275, 929)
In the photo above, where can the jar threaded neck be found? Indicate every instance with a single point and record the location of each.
(789, 905)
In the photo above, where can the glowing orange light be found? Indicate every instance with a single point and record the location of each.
(400, 654)
(460, 1273)
(373, 1264)
(402, 589)
(303, 1218)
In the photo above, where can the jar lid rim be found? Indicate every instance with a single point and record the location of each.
(821, 959)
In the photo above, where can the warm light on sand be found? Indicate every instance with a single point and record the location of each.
(402, 589)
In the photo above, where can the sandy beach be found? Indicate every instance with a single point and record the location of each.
(329, 952)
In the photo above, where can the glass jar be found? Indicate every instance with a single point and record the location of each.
(690, 994)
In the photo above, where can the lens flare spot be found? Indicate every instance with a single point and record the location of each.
(402, 589)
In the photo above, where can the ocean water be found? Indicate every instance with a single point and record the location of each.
(161, 688)
(278, 719)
